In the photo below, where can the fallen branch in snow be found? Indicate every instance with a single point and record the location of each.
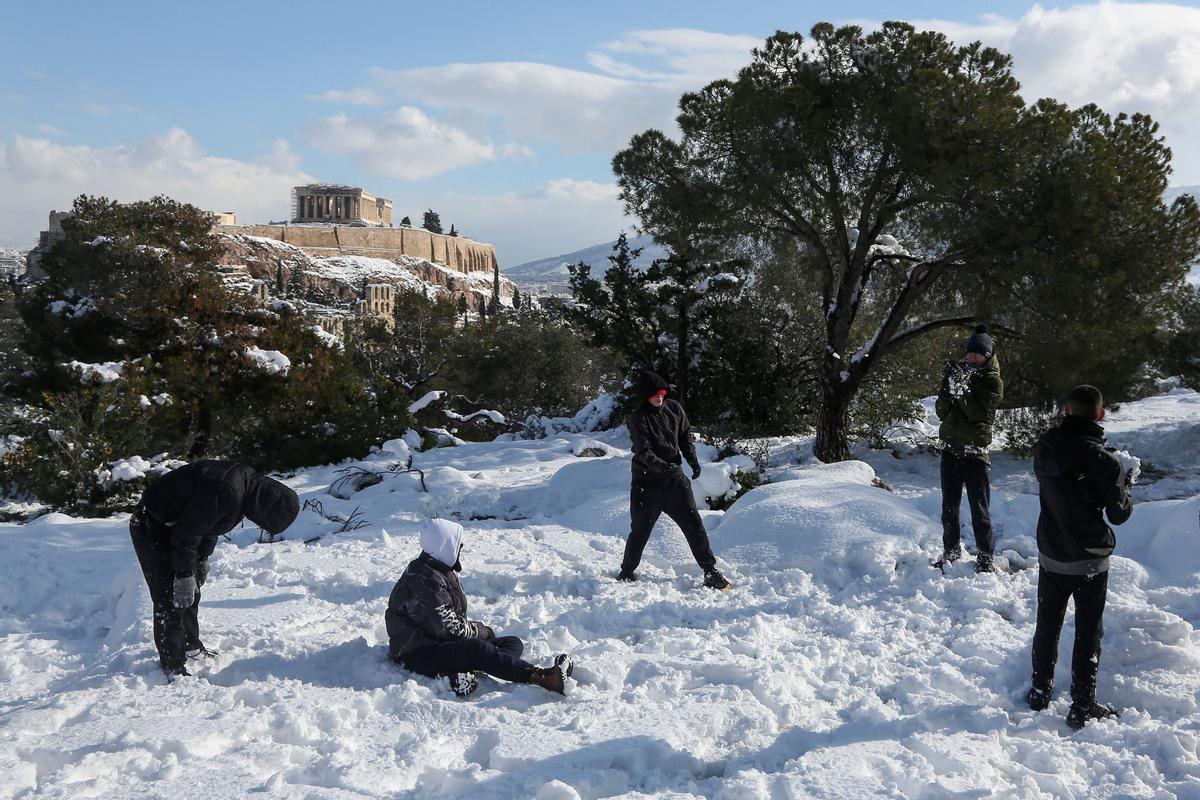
(398, 469)
(353, 522)
(353, 479)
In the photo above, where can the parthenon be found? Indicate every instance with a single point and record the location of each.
(326, 202)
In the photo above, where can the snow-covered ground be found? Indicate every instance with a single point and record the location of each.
(839, 665)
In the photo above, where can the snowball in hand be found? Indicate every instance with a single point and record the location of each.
(1131, 465)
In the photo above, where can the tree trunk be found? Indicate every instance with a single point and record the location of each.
(832, 442)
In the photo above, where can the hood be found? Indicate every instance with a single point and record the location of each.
(270, 505)
(649, 383)
(1063, 451)
(441, 539)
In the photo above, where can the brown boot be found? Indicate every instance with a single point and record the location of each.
(554, 677)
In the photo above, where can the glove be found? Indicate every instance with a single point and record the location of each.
(484, 632)
(695, 471)
(202, 572)
(185, 591)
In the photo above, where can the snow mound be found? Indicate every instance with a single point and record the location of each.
(829, 520)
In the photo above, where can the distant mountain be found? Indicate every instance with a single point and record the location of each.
(550, 275)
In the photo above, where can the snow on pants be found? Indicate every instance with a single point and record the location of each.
(1090, 593)
(499, 657)
(649, 498)
(176, 630)
(958, 471)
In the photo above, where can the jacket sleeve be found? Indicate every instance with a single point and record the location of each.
(942, 406)
(1114, 492)
(641, 445)
(437, 617)
(944, 402)
(982, 398)
(686, 446)
(207, 504)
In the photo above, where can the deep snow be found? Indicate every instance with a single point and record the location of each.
(839, 665)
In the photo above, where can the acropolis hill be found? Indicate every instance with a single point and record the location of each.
(340, 238)
(337, 220)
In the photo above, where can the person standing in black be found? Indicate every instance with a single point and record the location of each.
(174, 530)
(1080, 483)
(662, 439)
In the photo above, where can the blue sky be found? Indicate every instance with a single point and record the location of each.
(504, 117)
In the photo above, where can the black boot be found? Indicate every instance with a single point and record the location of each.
(464, 683)
(627, 575)
(984, 562)
(175, 673)
(947, 558)
(713, 579)
(1079, 714)
(200, 651)
(1038, 699)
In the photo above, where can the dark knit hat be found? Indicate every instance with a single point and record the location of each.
(650, 383)
(981, 343)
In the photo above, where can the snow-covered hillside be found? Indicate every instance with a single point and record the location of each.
(549, 275)
(839, 665)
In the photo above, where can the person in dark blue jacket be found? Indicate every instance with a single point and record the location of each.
(174, 530)
(429, 632)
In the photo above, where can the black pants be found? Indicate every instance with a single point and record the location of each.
(176, 630)
(499, 657)
(649, 498)
(1054, 590)
(973, 473)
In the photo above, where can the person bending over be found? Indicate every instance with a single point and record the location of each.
(174, 530)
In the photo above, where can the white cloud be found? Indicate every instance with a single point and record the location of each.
(635, 84)
(692, 57)
(538, 103)
(557, 217)
(50, 130)
(354, 97)
(37, 175)
(405, 143)
(1122, 56)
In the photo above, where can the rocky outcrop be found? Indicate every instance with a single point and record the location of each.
(343, 276)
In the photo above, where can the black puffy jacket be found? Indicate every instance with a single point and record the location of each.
(196, 503)
(1079, 482)
(661, 437)
(428, 606)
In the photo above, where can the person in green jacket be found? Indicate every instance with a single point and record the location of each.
(966, 404)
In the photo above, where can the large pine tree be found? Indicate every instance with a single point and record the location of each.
(921, 194)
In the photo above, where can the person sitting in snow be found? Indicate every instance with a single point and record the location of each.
(429, 633)
(662, 439)
(966, 403)
(174, 530)
(1079, 483)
